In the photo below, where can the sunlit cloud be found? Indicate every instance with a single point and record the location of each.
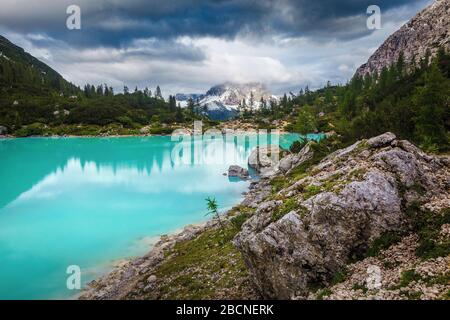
(188, 46)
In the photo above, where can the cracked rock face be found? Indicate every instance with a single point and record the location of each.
(361, 193)
(238, 172)
(293, 160)
(427, 30)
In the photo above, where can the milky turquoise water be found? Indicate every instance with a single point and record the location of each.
(92, 201)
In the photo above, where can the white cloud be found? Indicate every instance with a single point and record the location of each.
(193, 64)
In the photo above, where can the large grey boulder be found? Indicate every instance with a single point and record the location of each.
(382, 140)
(294, 160)
(359, 193)
(238, 172)
(3, 130)
(265, 159)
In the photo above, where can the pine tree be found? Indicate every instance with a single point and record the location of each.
(158, 93)
(179, 114)
(432, 105)
(401, 65)
(191, 105)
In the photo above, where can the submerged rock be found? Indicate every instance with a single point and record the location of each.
(265, 159)
(350, 198)
(238, 172)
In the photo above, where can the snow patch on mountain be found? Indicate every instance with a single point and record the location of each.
(222, 102)
(3, 56)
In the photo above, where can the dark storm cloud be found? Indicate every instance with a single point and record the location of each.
(113, 22)
(188, 46)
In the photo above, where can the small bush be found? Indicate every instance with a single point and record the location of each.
(323, 293)
(311, 191)
(298, 145)
(278, 183)
(407, 277)
(35, 129)
(288, 206)
(383, 242)
(339, 277)
(428, 226)
(239, 220)
(359, 286)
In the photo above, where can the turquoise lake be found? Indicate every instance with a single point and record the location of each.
(92, 201)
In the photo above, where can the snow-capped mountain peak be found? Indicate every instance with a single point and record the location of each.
(222, 101)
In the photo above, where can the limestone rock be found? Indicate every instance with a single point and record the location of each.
(381, 141)
(238, 172)
(265, 159)
(429, 29)
(294, 160)
(358, 193)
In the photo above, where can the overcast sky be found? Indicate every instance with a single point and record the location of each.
(190, 45)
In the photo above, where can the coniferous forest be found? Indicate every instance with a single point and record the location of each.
(409, 99)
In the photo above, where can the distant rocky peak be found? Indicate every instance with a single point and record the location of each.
(429, 29)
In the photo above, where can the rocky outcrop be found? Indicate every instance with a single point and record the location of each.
(3, 130)
(294, 160)
(238, 172)
(126, 274)
(305, 234)
(265, 160)
(400, 274)
(312, 228)
(429, 29)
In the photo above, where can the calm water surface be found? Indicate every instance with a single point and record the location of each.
(91, 201)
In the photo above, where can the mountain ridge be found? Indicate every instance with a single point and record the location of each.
(224, 101)
(428, 30)
(21, 68)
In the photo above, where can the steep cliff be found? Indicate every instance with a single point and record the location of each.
(429, 29)
(303, 235)
(311, 231)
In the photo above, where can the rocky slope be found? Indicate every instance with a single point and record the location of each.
(312, 230)
(19, 59)
(429, 29)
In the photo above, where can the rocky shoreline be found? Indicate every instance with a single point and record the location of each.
(127, 275)
(310, 230)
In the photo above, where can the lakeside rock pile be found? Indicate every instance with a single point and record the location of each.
(313, 237)
(430, 29)
(238, 172)
(311, 229)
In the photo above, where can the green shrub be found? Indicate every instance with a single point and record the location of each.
(298, 145)
(311, 191)
(35, 129)
(339, 277)
(407, 277)
(323, 293)
(428, 226)
(359, 286)
(383, 242)
(239, 220)
(278, 183)
(287, 206)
